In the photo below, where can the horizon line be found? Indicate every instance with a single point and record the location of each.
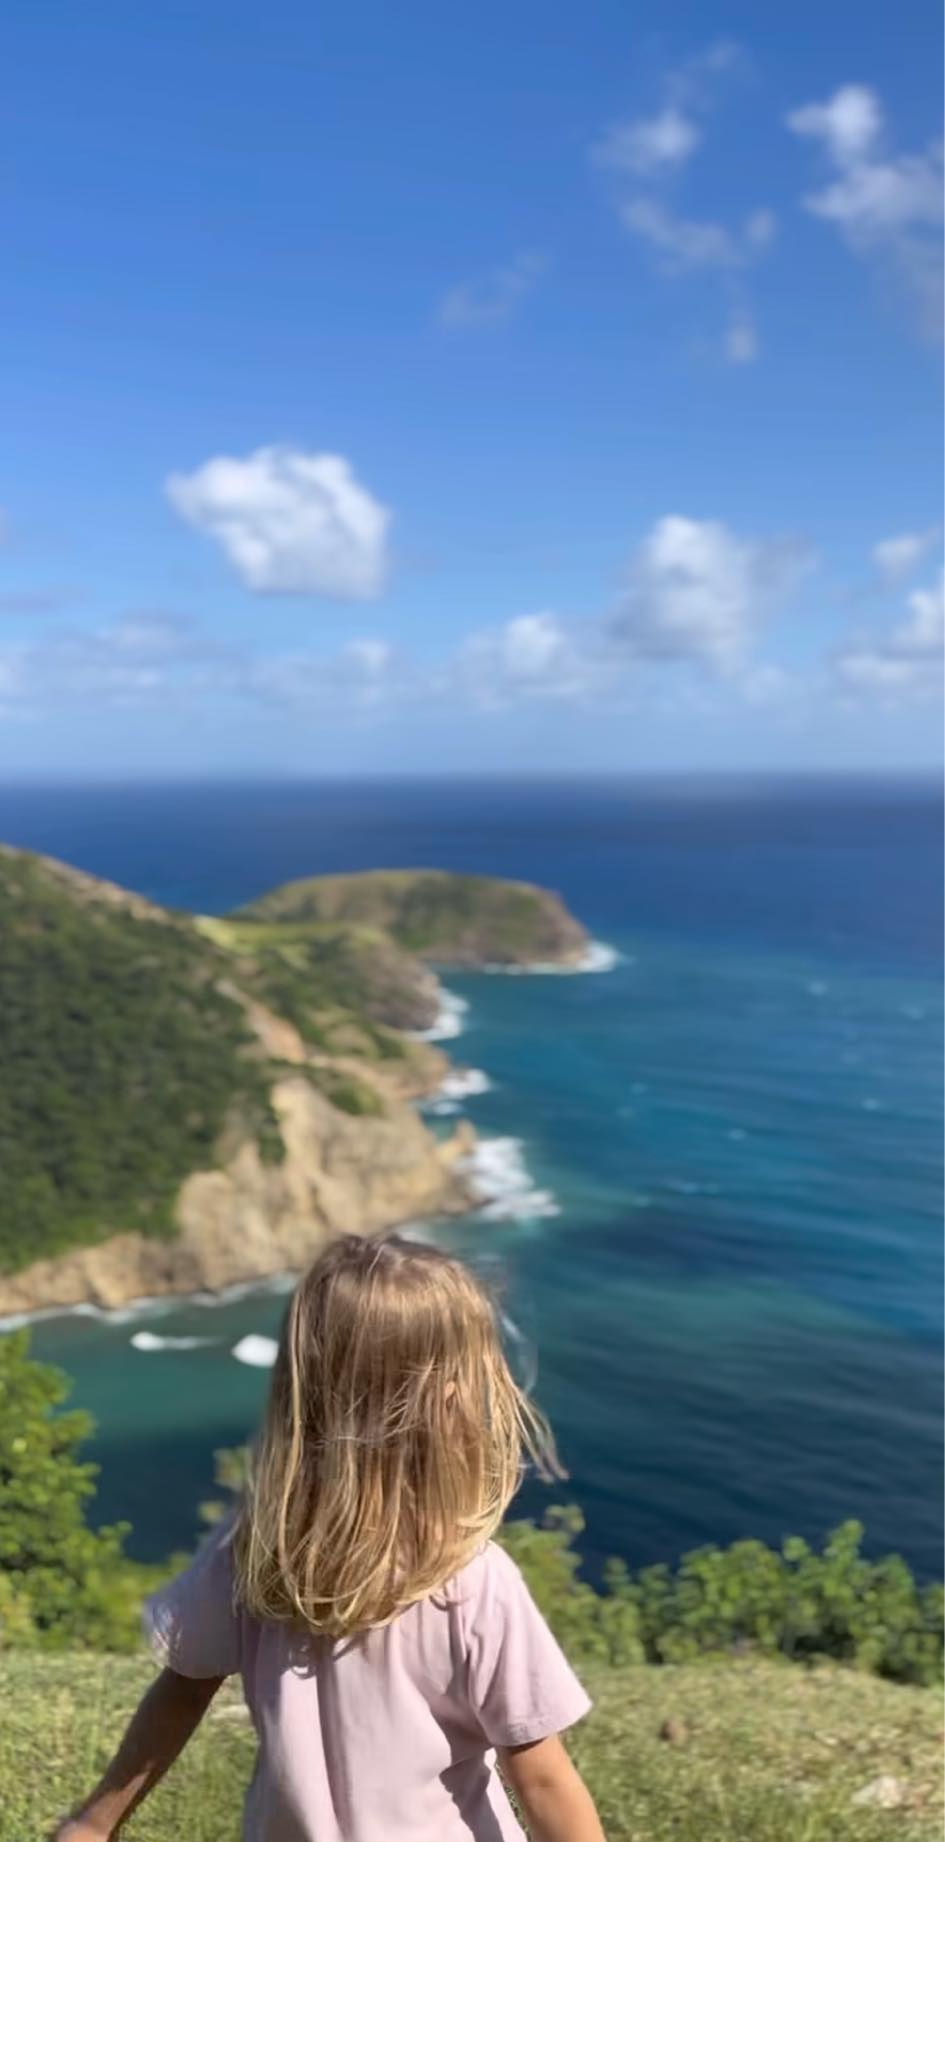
(515, 778)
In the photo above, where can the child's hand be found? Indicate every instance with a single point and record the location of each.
(165, 1720)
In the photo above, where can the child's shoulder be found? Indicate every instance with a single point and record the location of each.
(489, 1576)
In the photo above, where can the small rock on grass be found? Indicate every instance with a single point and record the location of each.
(885, 1791)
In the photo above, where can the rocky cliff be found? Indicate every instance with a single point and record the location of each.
(188, 1103)
(246, 1219)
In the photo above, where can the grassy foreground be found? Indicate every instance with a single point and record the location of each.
(763, 1751)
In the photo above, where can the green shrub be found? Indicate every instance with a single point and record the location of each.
(354, 1097)
(60, 1581)
(589, 1626)
(796, 1603)
(229, 1474)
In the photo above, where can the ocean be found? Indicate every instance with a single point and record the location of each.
(713, 1164)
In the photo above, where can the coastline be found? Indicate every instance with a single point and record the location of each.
(249, 1222)
(776, 1348)
(459, 1174)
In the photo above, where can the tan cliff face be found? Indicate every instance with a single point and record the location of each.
(248, 1219)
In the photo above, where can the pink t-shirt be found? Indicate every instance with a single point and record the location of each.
(389, 1735)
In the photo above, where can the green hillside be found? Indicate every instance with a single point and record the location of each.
(454, 920)
(124, 1058)
(344, 986)
(763, 1752)
(131, 1058)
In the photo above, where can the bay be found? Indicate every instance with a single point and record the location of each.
(715, 1164)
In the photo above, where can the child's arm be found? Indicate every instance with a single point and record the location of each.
(165, 1720)
(557, 1803)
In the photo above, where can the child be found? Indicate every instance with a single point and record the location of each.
(388, 1649)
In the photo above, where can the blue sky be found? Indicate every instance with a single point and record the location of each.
(521, 386)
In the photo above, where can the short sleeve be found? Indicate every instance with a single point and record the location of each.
(521, 1686)
(192, 1624)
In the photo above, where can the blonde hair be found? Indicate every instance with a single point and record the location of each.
(394, 1440)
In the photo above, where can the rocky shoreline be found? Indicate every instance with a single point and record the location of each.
(247, 1221)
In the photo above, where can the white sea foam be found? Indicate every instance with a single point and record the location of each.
(253, 1350)
(148, 1340)
(153, 1304)
(450, 1018)
(597, 959)
(601, 959)
(455, 1088)
(497, 1173)
(418, 1232)
(129, 1313)
(271, 1283)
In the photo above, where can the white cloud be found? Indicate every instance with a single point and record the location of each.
(848, 125)
(289, 522)
(696, 592)
(532, 643)
(906, 662)
(361, 676)
(660, 145)
(693, 82)
(695, 602)
(142, 656)
(885, 206)
(697, 244)
(688, 630)
(534, 654)
(898, 556)
(122, 662)
(485, 302)
(741, 340)
(686, 244)
(647, 147)
(637, 155)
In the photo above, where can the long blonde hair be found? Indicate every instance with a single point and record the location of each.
(394, 1440)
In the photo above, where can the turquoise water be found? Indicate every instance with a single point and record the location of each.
(716, 1187)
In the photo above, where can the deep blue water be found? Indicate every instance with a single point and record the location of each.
(726, 1253)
